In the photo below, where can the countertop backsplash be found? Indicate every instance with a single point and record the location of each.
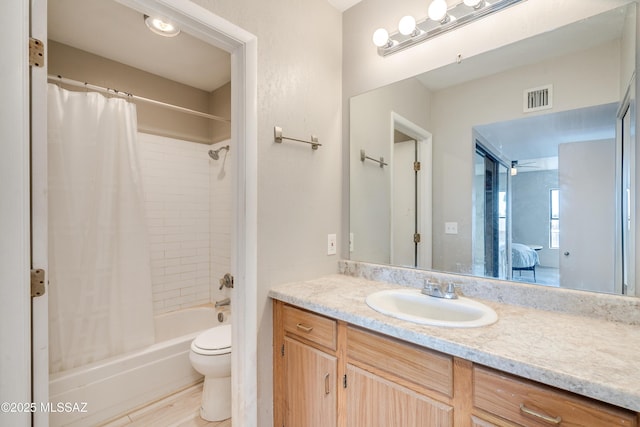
(613, 308)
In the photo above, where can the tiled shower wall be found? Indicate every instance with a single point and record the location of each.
(181, 204)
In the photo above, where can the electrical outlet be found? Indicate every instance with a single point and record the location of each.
(451, 228)
(350, 242)
(331, 244)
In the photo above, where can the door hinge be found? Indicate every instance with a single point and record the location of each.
(344, 381)
(416, 238)
(416, 166)
(37, 282)
(36, 53)
(282, 350)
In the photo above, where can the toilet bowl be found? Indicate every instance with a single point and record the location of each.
(210, 355)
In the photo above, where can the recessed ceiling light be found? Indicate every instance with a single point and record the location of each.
(161, 27)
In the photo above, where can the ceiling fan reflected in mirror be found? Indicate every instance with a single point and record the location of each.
(515, 165)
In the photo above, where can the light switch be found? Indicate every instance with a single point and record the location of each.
(331, 244)
(451, 228)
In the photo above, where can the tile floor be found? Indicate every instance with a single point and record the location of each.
(177, 410)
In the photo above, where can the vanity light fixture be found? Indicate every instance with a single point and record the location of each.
(440, 19)
(381, 38)
(438, 12)
(161, 26)
(407, 25)
(476, 4)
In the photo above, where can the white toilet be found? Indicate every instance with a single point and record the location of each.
(210, 355)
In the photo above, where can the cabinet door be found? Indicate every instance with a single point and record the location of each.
(310, 377)
(373, 401)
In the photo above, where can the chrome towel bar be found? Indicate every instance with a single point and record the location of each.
(363, 156)
(277, 136)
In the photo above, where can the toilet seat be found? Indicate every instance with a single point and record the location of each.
(213, 342)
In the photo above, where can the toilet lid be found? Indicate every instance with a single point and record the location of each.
(217, 338)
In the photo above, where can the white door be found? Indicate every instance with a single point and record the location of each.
(15, 313)
(404, 204)
(586, 175)
(411, 204)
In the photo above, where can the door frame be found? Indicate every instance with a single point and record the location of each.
(626, 240)
(424, 140)
(242, 46)
(15, 247)
(490, 151)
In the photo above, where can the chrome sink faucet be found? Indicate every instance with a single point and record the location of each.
(439, 291)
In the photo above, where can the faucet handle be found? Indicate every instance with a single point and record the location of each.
(428, 284)
(430, 288)
(450, 293)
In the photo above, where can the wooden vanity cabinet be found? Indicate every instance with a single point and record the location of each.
(305, 368)
(328, 373)
(507, 399)
(393, 383)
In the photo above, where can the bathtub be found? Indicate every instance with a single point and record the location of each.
(119, 384)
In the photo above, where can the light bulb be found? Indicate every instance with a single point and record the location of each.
(161, 27)
(381, 37)
(473, 3)
(437, 10)
(407, 25)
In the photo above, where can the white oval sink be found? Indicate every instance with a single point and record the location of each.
(413, 306)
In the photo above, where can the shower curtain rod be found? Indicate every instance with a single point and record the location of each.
(128, 95)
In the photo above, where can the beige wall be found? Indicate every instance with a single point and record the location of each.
(86, 67)
(299, 190)
(493, 99)
(220, 105)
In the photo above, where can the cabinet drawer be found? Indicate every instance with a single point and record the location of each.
(309, 326)
(532, 404)
(420, 366)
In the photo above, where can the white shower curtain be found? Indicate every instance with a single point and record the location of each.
(100, 301)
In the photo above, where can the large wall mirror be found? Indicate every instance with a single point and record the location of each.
(516, 164)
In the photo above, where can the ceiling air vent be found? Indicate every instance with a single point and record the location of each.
(538, 98)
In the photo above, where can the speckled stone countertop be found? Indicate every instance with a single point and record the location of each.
(586, 355)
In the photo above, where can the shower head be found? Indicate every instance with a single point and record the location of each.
(214, 154)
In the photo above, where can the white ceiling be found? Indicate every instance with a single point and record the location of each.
(110, 30)
(539, 136)
(343, 5)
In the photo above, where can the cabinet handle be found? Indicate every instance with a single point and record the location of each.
(556, 420)
(304, 327)
(327, 388)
